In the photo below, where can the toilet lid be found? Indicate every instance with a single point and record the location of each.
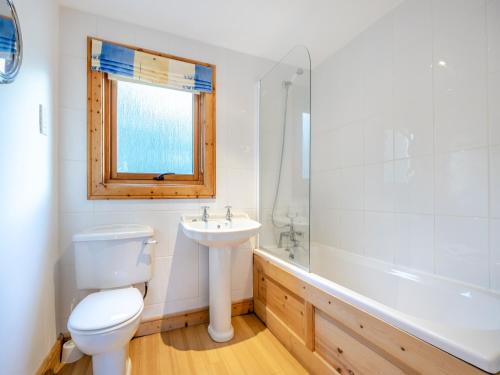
(105, 309)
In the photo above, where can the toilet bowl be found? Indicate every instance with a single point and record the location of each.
(110, 258)
(102, 325)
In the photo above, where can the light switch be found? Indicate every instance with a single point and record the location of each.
(42, 120)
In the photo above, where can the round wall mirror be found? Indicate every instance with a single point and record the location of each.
(11, 45)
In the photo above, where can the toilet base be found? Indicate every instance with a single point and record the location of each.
(112, 363)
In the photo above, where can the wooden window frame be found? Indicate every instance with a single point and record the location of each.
(104, 182)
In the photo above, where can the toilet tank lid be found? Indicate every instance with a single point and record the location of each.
(114, 232)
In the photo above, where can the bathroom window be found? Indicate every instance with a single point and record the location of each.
(149, 140)
(153, 132)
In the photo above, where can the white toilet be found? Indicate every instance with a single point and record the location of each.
(110, 258)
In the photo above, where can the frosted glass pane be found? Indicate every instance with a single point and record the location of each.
(155, 129)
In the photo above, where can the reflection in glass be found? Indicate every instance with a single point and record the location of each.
(10, 42)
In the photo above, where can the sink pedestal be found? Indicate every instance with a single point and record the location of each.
(221, 236)
(220, 328)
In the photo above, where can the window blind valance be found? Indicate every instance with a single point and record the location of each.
(149, 68)
(7, 35)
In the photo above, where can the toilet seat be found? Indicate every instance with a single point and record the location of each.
(106, 310)
(104, 331)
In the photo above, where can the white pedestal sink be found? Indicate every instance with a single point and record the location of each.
(221, 236)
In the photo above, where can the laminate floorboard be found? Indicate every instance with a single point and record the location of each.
(253, 351)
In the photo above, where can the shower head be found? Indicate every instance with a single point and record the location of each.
(297, 73)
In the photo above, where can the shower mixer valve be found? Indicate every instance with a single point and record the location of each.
(293, 236)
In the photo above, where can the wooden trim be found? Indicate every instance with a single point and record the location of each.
(354, 338)
(187, 319)
(102, 184)
(110, 139)
(314, 363)
(53, 359)
(310, 326)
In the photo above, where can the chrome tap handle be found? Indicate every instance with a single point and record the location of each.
(205, 213)
(229, 214)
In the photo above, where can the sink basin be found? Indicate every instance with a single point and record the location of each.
(221, 236)
(219, 232)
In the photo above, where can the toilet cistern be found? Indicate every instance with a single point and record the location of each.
(222, 234)
(110, 259)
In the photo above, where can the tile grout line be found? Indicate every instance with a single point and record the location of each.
(488, 127)
(434, 154)
(393, 126)
(410, 158)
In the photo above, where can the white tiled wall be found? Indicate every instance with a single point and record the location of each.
(181, 266)
(406, 141)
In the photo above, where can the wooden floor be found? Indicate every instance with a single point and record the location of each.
(254, 350)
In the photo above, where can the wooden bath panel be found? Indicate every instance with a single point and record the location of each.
(330, 336)
(345, 352)
(286, 304)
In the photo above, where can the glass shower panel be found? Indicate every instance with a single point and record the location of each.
(284, 157)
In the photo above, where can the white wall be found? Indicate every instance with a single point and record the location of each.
(28, 196)
(181, 266)
(406, 141)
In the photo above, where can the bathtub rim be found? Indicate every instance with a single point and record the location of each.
(404, 322)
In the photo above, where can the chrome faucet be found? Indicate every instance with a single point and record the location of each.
(295, 242)
(204, 217)
(229, 214)
(292, 235)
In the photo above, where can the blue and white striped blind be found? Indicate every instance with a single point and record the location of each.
(132, 64)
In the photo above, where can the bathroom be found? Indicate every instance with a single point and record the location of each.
(329, 201)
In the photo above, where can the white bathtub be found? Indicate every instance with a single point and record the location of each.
(458, 318)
